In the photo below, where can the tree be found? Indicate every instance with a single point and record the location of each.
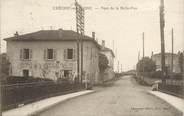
(180, 61)
(5, 64)
(103, 62)
(146, 65)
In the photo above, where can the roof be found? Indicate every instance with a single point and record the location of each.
(166, 54)
(51, 35)
(107, 49)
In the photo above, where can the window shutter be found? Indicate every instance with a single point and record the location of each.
(30, 53)
(54, 54)
(91, 53)
(65, 54)
(74, 54)
(30, 73)
(21, 73)
(21, 54)
(45, 54)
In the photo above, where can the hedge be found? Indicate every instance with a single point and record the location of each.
(23, 93)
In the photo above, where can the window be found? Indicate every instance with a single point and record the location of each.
(50, 53)
(69, 53)
(66, 73)
(25, 73)
(25, 54)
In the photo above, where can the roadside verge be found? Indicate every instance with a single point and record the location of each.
(33, 108)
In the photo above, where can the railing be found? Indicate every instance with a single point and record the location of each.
(173, 87)
(15, 95)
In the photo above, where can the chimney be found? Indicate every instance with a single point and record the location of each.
(151, 54)
(60, 33)
(16, 34)
(93, 35)
(103, 43)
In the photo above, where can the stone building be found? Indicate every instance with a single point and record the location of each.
(52, 54)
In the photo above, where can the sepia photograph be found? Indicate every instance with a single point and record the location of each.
(91, 57)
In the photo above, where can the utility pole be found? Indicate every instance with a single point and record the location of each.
(113, 45)
(0, 45)
(118, 66)
(143, 54)
(80, 33)
(138, 56)
(0, 80)
(143, 44)
(77, 39)
(162, 25)
(172, 50)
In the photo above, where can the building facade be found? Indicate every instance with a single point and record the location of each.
(109, 72)
(168, 62)
(108, 53)
(52, 54)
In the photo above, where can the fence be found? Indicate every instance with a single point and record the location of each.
(15, 95)
(172, 86)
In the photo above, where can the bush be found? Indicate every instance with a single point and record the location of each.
(146, 65)
(13, 95)
(103, 62)
(19, 79)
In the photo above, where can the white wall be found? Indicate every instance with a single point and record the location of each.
(48, 69)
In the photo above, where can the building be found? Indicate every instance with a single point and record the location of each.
(109, 73)
(168, 62)
(52, 54)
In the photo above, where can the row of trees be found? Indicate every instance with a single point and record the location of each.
(146, 65)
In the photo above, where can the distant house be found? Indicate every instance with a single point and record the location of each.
(110, 56)
(52, 54)
(168, 62)
(108, 53)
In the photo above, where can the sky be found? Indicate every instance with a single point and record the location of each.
(121, 21)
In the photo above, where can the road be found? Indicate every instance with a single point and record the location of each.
(124, 98)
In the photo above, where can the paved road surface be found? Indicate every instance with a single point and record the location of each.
(124, 98)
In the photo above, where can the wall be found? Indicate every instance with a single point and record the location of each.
(52, 69)
(168, 59)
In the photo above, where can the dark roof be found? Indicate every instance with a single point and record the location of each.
(107, 49)
(166, 54)
(51, 35)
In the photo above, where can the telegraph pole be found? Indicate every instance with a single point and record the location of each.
(77, 40)
(138, 56)
(143, 54)
(172, 50)
(162, 25)
(118, 66)
(143, 44)
(0, 86)
(80, 32)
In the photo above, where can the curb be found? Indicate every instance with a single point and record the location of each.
(41, 110)
(150, 92)
(60, 100)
